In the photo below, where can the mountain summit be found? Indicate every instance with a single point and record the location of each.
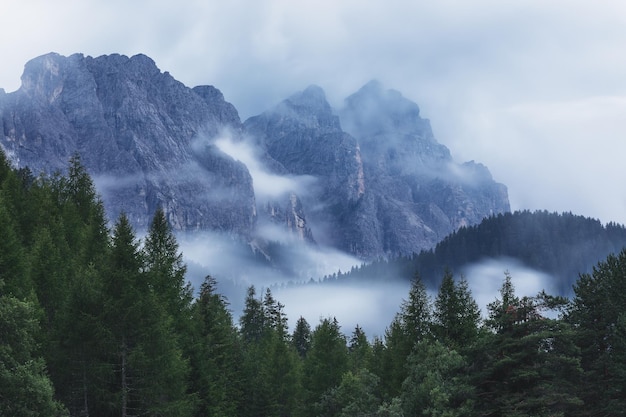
(369, 179)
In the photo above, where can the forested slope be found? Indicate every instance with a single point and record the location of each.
(561, 245)
(97, 322)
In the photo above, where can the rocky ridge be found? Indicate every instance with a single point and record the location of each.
(378, 184)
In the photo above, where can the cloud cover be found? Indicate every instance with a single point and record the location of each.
(533, 90)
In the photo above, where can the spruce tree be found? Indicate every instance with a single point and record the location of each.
(301, 337)
(149, 371)
(324, 365)
(597, 314)
(216, 357)
(25, 389)
(456, 315)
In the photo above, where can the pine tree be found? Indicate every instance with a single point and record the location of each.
(252, 321)
(416, 313)
(325, 363)
(359, 350)
(166, 271)
(25, 389)
(149, 369)
(301, 337)
(456, 314)
(216, 357)
(530, 364)
(596, 312)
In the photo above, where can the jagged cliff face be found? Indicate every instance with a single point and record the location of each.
(385, 186)
(144, 137)
(377, 182)
(414, 189)
(303, 137)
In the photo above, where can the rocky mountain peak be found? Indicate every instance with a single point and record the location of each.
(376, 184)
(374, 110)
(144, 137)
(308, 109)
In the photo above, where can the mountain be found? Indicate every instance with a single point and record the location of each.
(560, 245)
(144, 137)
(368, 179)
(385, 186)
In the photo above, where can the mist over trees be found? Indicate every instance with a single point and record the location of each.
(562, 245)
(96, 322)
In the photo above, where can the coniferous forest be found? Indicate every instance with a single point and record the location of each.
(96, 322)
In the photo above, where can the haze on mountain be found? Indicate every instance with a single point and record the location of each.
(299, 191)
(381, 187)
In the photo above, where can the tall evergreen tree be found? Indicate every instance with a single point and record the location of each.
(166, 271)
(324, 365)
(416, 313)
(359, 350)
(252, 321)
(301, 337)
(456, 315)
(411, 325)
(25, 389)
(597, 314)
(216, 373)
(530, 364)
(146, 360)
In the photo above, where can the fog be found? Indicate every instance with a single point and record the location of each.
(267, 185)
(371, 305)
(485, 279)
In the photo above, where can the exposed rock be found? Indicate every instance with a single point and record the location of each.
(381, 185)
(386, 188)
(144, 137)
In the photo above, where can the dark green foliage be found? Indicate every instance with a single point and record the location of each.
(13, 265)
(456, 315)
(411, 326)
(359, 350)
(562, 245)
(25, 389)
(354, 396)
(529, 365)
(252, 322)
(597, 311)
(301, 337)
(325, 363)
(99, 324)
(147, 369)
(215, 355)
(437, 383)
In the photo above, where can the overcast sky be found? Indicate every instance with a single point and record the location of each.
(534, 89)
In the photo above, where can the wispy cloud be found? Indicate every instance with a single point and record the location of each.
(267, 185)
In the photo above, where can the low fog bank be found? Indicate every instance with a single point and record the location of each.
(295, 281)
(372, 306)
(236, 265)
(485, 279)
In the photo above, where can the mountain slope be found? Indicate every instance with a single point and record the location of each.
(561, 245)
(369, 180)
(386, 187)
(144, 137)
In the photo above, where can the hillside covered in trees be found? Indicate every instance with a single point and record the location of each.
(95, 322)
(561, 245)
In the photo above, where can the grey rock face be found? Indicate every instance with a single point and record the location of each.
(304, 137)
(145, 138)
(386, 186)
(289, 216)
(377, 181)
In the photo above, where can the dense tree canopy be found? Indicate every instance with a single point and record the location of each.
(96, 322)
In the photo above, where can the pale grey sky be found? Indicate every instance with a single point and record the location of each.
(535, 90)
